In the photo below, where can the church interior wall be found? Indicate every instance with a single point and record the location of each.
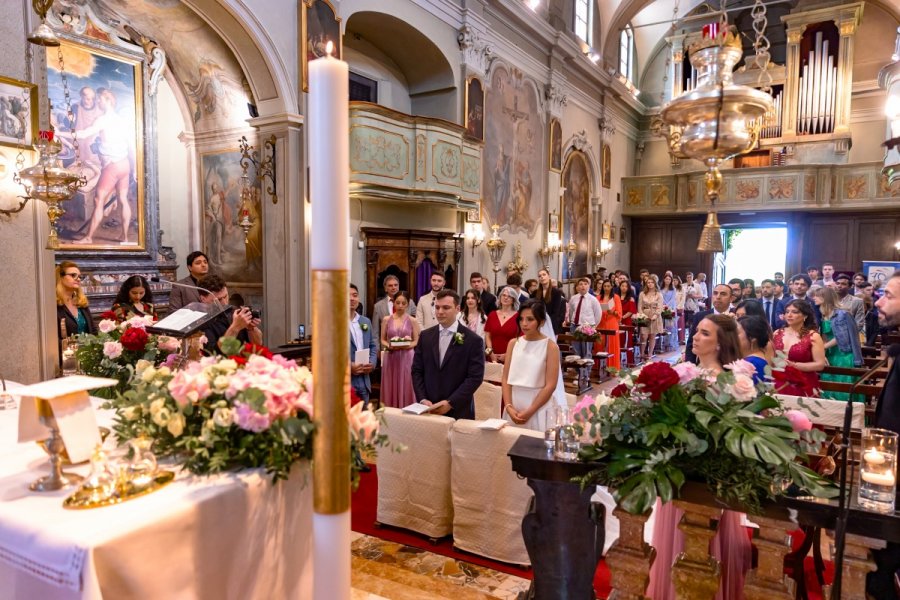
(176, 216)
(367, 60)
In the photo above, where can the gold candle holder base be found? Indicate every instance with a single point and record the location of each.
(57, 479)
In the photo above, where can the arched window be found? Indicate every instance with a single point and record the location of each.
(626, 53)
(584, 17)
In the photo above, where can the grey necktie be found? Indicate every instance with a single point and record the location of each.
(444, 343)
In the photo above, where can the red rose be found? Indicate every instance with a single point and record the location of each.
(134, 339)
(656, 378)
(254, 349)
(108, 315)
(620, 391)
(354, 398)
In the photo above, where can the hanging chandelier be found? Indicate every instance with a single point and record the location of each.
(717, 120)
(48, 180)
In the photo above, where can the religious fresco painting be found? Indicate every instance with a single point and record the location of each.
(18, 112)
(223, 241)
(513, 154)
(576, 179)
(106, 94)
(606, 168)
(319, 24)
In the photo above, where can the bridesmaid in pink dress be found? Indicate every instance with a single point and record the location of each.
(396, 368)
(805, 351)
(716, 343)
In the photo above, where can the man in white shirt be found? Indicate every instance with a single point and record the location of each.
(425, 307)
(828, 274)
(701, 282)
(584, 309)
(692, 297)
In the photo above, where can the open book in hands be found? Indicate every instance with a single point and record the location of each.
(418, 408)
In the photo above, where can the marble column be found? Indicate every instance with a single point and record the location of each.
(768, 581)
(630, 558)
(696, 573)
(285, 223)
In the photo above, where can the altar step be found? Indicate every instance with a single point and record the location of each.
(391, 571)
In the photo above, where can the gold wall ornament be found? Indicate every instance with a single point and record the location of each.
(265, 167)
(43, 34)
(496, 245)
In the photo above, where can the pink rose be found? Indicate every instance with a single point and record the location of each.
(363, 422)
(799, 420)
(687, 372)
(112, 350)
(743, 388)
(248, 419)
(168, 344)
(107, 325)
(742, 367)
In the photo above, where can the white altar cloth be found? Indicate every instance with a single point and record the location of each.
(232, 536)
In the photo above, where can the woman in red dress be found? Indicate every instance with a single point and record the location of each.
(612, 314)
(502, 325)
(804, 348)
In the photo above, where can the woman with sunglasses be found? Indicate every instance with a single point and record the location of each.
(71, 303)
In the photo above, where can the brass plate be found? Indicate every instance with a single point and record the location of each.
(81, 501)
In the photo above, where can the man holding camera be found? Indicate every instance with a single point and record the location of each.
(239, 322)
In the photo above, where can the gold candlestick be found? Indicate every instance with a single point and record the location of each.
(57, 479)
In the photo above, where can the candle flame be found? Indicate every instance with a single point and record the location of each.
(329, 48)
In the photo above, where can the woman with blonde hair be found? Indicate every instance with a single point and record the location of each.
(71, 303)
(841, 337)
(650, 303)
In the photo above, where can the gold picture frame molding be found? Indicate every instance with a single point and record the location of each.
(305, 5)
(33, 109)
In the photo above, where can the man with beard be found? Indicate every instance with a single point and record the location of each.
(880, 584)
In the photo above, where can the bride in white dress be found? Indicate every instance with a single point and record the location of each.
(530, 374)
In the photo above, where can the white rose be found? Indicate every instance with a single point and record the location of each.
(227, 365)
(220, 383)
(743, 388)
(223, 417)
(176, 424)
(112, 350)
(162, 417)
(156, 405)
(131, 413)
(164, 371)
(147, 374)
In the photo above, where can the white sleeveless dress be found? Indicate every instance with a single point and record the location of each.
(527, 375)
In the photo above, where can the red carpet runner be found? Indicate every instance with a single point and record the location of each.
(364, 503)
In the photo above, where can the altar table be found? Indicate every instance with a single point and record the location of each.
(228, 536)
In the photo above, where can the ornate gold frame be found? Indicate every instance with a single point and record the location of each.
(33, 115)
(305, 5)
(466, 106)
(140, 210)
(550, 147)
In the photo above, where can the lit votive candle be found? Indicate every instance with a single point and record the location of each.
(884, 479)
(873, 457)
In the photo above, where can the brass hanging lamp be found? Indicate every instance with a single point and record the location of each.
(717, 120)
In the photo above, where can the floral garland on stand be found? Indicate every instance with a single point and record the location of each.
(662, 425)
(118, 349)
(640, 320)
(247, 410)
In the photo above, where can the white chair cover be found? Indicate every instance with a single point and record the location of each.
(493, 372)
(414, 485)
(488, 399)
(829, 413)
(489, 499)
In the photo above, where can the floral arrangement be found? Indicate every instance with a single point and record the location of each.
(117, 348)
(640, 320)
(663, 425)
(586, 333)
(250, 409)
(667, 313)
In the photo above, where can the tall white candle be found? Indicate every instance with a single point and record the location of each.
(328, 130)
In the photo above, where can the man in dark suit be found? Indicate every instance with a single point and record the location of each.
(773, 307)
(448, 363)
(198, 268)
(880, 583)
(721, 302)
(488, 301)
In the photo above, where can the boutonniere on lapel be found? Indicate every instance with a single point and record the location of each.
(363, 326)
(458, 339)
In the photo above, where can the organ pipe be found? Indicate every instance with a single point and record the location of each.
(818, 89)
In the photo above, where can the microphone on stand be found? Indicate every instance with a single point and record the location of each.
(840, 531)
(186, 286)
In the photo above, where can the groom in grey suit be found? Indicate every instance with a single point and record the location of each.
(448, 363)
(385, 306)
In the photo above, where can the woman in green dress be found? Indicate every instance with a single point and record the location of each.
(841, 340)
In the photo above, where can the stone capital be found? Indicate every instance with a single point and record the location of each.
(556, 98)
(476, 51)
